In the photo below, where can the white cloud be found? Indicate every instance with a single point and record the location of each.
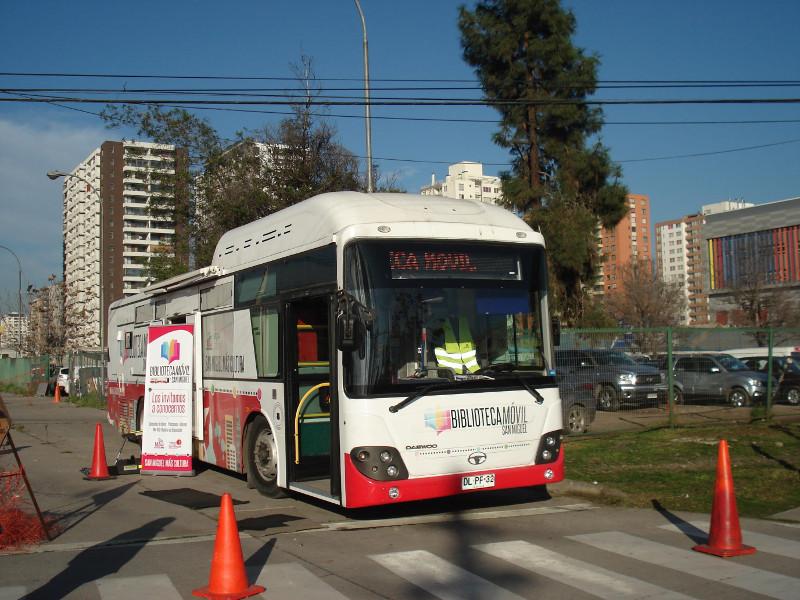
(30, 203)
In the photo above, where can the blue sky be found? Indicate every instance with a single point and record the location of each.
(414, 39)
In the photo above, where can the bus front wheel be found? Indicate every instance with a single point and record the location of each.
(261, 455)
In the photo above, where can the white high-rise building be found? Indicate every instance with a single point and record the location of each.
(466, 180)
(119, 210)
(679, 257)
(13, 333)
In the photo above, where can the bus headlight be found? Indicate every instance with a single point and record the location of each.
(381, 463)
(549, 447)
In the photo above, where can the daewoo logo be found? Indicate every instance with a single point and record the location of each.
(476, 458)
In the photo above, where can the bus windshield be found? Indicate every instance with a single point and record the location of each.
(466, 313)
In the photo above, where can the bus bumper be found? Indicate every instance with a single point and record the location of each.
(362, 491)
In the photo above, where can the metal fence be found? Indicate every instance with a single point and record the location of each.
(716, 374)
(24, 373)
(81, 374)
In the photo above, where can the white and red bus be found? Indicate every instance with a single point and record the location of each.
(363, 349)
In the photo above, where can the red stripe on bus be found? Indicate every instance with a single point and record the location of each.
(362, 491)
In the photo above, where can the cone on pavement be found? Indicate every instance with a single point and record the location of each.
(725, 535)
(57, 395)
(99, 468)
(228, 579)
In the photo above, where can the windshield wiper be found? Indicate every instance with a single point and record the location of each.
(533, 391)
(420, 393)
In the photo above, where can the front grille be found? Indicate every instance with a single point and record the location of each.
(649, 379)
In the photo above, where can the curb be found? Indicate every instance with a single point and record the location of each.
(569, 487)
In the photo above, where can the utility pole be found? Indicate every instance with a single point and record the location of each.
(366, 99)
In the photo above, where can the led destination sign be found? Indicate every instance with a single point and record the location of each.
(416, 263)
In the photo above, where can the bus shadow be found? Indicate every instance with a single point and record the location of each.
(90, 566)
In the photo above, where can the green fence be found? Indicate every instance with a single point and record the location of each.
(84, 373)
(24, 374)
(717, 373)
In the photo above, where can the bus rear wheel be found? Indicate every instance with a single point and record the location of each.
(261, 459)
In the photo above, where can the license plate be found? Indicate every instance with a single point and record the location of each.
(475, 482)
(652, 395)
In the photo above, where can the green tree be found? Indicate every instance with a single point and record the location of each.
(234, 183)
(562, 178)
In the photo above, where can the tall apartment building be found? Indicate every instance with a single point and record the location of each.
(679, 257)
(119, 210)
(628, 241)
(466, 180)
(13, 333)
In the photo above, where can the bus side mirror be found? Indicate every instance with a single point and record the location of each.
(346, 332)
(556, 328)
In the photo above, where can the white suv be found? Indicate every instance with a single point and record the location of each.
(63, 379)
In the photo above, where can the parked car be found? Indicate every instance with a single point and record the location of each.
(718, 377)
(63, 380)
(785, 370)
(578, 405)
(615, 377)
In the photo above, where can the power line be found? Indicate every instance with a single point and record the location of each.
(412, 102)
(696, 154)
(393, 80)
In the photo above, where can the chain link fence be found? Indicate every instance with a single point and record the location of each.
(717, 374)
(79, 374)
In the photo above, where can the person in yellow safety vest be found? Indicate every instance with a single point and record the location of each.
(458, 352)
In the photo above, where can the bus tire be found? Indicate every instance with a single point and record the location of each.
(261, 458)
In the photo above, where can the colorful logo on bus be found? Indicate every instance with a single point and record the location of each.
(439, 420)
(171, 351)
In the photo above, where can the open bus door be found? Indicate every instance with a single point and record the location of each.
(311, 397)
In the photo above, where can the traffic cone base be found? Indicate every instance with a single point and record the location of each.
(228, 579)
(204, 592)
(99, 468)
(725, 534)
(725, 552)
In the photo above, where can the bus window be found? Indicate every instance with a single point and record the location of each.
(264, 322)
(446, 312)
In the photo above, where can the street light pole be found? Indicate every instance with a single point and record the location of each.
(366, 98)
(57, 174)
(19, 300)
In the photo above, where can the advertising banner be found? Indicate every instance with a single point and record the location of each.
(167, 416)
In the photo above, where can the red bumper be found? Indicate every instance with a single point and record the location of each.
(362, 491)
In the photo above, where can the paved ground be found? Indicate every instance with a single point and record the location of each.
(137, 537)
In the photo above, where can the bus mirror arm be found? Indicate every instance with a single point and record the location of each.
(351, 316)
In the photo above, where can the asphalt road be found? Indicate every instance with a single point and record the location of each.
(152, 537)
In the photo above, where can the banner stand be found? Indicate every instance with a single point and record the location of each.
(167, 416)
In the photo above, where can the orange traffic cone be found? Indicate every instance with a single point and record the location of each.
(57, 395)
(99, 469)
(228, 579)
(725, 535)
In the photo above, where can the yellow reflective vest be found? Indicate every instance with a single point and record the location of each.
(458, 353)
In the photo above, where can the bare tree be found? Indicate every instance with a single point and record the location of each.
(644, 299)
(761, 305)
